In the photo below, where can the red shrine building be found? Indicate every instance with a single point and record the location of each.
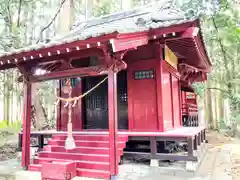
(146, 60)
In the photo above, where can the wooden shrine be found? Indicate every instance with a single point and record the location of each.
(143, 62)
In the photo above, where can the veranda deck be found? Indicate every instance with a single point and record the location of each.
(194, 136)
(177, 132)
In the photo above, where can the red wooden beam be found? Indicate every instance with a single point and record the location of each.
(190, 32)
(174, 28)
(113, 119)
(57, 57)
(129, 42)
(26, 125)
(87, 71)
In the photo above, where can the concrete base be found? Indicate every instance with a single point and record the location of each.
(200, 153)
(191, 166)
(154, 163)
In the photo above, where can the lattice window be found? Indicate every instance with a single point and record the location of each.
(145, 74)
(123, 96)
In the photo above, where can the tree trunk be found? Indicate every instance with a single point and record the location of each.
(39, 114)
(89, 9)
(209, 106)
(216, 120)
(221, 106)
(6, 96)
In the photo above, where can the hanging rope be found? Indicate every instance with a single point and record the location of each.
(75, 99)
(69, 143)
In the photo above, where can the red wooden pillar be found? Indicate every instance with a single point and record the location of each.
(26, 125)
(112, 112)
(58, 108)
(159, 56)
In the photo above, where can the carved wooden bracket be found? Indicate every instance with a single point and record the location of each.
(24, 74)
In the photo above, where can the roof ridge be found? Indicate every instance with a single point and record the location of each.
(138, 11)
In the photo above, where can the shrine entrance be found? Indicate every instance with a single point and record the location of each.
(95, 105)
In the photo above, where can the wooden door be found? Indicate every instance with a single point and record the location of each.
(95, 104)
(95, 110)
(142, 100)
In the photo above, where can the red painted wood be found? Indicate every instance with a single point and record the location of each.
(62, 47)
(130, 42)
(141, 53)
(77, 110)
(180, 103)
(90, 137)
(142, 103)
(113, 122)
(166, 98)
(176, 101)
(86, 150)
(74, 156)
(171, 92)
(93, 173)
(63, 112)
(80, 164)
(83, 172)
(86, 71)
(176, 132)
(91, 161)
(159, 57)
(60, 171)
(26, 125)
(174, 28)
(85, 143)
(62, 119)
(58, 108)
(35, 167)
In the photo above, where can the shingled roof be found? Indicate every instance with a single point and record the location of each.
(152, 16)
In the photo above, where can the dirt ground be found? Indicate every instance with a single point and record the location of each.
(219, 139)
(8, 145)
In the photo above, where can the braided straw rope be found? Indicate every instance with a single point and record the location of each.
(70, 99)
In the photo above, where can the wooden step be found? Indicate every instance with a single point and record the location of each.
(90, 157)
(85, 150)
(80, 164)
(35, 167)
(86, 143)
(83, 172)
(74, 156)
(92, 173)
(89, 137)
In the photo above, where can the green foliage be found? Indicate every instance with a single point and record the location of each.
(222, 124)
(12, 126)
(199, 88)
(105, 7)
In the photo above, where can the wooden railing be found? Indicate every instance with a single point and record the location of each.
(190, 115)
